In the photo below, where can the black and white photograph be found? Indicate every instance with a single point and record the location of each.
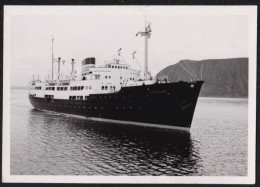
(129, 94)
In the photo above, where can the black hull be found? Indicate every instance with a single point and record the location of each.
(170, 104)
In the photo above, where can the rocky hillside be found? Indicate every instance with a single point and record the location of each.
(223, 77)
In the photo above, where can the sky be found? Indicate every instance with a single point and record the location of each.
(173, 38)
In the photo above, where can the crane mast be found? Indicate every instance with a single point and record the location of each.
(147, 35)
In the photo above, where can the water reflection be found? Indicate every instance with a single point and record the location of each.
(66, 145)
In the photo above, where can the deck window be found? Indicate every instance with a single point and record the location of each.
(102, 87)
(90, 87)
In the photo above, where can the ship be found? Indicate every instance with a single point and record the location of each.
(116, 93)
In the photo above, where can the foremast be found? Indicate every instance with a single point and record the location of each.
(147, 35)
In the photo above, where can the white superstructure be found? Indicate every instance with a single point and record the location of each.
(92, 79)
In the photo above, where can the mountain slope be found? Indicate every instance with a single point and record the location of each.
(223, 77)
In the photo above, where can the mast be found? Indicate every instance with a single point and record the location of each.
(145, 51)
(147, 35)
(52, 58)
(59, 68)
(72, 69)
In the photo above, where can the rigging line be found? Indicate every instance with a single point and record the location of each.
(123, 58)
(139, 65)
(163, 73)
(190, 69)
(182, 74)
(187, 70)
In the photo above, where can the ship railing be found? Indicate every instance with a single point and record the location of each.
(64, 81)
(33, 82)
(51, 81)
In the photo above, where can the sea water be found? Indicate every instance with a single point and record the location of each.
(46, 143)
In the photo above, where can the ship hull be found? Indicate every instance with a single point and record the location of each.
(168, 105)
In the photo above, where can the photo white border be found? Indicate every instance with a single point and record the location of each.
(250, 11)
